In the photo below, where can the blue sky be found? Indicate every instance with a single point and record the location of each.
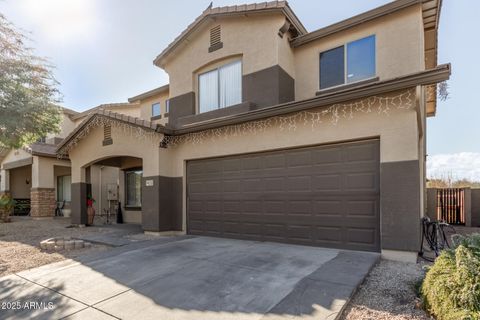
(103, 52)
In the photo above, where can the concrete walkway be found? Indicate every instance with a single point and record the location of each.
(191, 278)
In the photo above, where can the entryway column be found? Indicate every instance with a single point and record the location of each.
(4, 181)
(42, 193)
(79, 195)
(161, 194)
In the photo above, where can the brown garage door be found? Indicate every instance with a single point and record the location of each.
(322, 196)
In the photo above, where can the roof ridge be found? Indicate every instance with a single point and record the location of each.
(226, 10)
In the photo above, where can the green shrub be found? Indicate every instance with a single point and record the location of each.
(451, 289)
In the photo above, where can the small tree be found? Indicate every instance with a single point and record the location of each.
(28, 91)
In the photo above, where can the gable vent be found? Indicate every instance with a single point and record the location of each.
(215, 39)
(107, 135)
(107, 132)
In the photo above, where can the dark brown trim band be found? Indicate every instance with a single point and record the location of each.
(439, 74)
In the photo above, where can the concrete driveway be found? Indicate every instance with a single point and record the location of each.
(190, 278)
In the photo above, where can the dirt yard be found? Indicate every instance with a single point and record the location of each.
(20, 243)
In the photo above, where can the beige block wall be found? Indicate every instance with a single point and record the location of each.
(399, 49)
(253, 36)
(18, 182)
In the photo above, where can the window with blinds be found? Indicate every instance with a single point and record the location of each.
(221, 87)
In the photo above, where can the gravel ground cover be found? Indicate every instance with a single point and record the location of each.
(20, 243)
(388, 293)
(389, 290)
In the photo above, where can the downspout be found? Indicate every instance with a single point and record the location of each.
(419, 96)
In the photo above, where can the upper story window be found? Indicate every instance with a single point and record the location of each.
(221, 87)
(156, 111)
(349, 63)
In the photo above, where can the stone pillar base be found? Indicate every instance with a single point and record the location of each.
(42, 202)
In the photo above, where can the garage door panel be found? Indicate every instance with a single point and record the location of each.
(299, 159)
(365, 181)
(362, 152)
(327, 182)
(362, 208)
(329, 155)
(323, 196)
(361, 236)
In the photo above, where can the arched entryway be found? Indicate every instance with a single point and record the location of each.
(125, 152)
(115, 183)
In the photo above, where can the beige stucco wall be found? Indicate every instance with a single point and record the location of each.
(129, 216)
(90, 150)
(12, 156)
(132, 110)
(395, 125)
(146, 107)
(66, 126)
(253, 36)
(43, 171)
(399, 49)
(15, 155)
(100, 177)
(18, 182)
(396, 128)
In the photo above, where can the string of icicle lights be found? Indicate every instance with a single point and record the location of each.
(381, 105)
(138, 133)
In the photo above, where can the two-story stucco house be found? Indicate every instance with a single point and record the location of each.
(269, 132)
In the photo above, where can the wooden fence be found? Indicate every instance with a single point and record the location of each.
(451, 205)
